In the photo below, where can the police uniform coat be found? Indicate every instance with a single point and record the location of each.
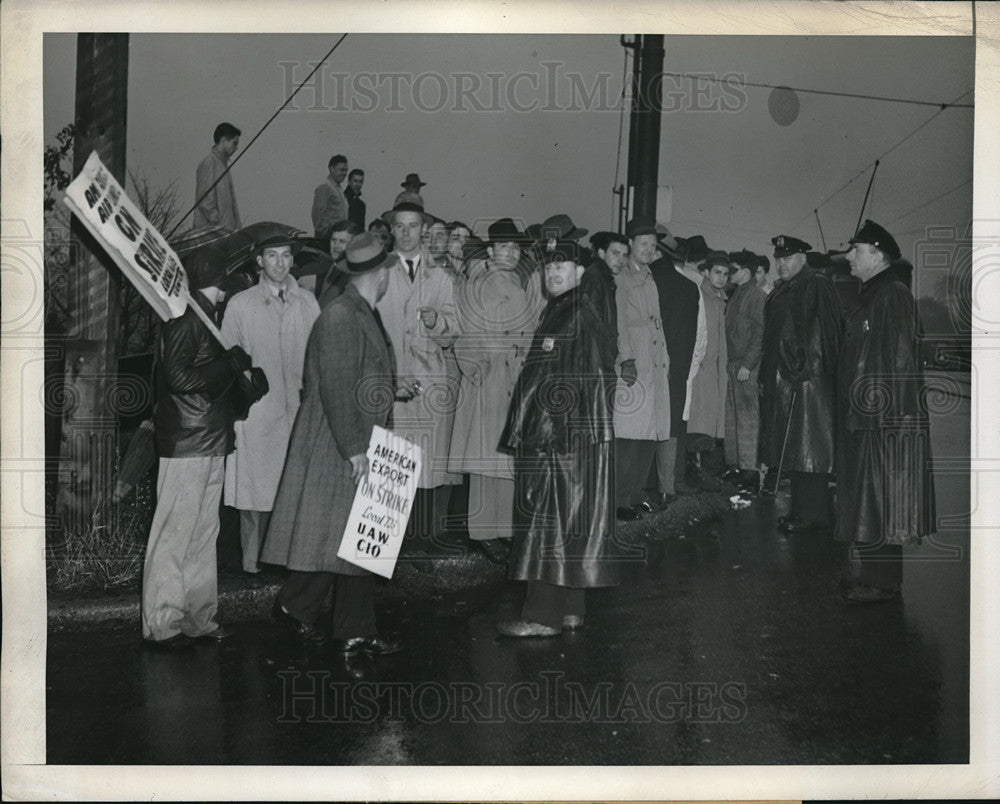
(274, 333)
(497, 318)
(560, 428)
(885, 487)
(642, 411)
(427, 419)
(802, 324)
(348, 390)
(708, 388)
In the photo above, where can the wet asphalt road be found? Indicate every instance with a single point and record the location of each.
(731, 645)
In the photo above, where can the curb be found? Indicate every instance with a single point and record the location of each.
(438, 575)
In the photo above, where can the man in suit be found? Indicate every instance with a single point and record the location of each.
(418, 310)
(215, 183)
(348, 390)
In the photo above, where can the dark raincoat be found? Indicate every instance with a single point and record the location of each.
(559, 427)
(802, 323)
(885, 487)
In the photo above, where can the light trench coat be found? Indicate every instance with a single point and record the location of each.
(708, 388)
(642, 411)
(274, 334)
(420, 356)
(497, 317)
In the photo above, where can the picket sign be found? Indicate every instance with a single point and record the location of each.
(136, 247)
(382, 503)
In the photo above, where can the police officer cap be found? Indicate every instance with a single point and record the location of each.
(875, 235)
(785, 246)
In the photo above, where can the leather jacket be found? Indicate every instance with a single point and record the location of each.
(194, 415)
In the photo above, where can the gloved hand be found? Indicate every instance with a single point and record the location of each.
(259, 382)
(629, 373)
(240, 359)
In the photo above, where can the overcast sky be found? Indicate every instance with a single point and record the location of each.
(528, 126)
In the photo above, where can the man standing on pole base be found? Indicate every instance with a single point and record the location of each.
(885, 492)
(798, 377)
(218, 207)
(194, 433)
(560, 429)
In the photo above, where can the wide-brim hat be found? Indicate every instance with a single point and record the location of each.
(412, 178)
(692, 249)
(364, 253)
(875, 235)
(560, 227)
(713, 258)
(643, 225)
(275, 238)
(504, 230)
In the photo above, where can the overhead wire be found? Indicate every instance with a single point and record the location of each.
(712, 79)
(880, 158)
(242, 153)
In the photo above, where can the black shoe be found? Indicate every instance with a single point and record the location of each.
(252, 580)
(311, 635)
(731, 476)
(178, 641)
(220, 633)
(643, 508)
(373, 646)
(627, 513)
(496, 550)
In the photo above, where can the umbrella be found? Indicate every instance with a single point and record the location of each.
(312, 258)
(191, 240)
(238, 245)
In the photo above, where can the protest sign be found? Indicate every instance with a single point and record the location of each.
(132, 242)
(382, 504)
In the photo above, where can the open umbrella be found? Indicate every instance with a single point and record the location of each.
(238, 246)
(312, 258)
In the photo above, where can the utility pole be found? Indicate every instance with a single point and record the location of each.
(89, 427)
(644, 134)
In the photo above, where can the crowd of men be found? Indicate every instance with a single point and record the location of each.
(554, 389)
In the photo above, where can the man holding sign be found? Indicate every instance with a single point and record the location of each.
(349, 389)
(194, 433)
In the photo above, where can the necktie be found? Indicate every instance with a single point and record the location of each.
(281, 294)
(409, 267)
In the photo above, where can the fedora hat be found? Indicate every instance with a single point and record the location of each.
(412, 178)
(364, 253)
(688, 249)
(504, 230)
(560, 227)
